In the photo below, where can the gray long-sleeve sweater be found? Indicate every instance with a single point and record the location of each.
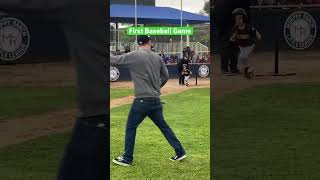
(147, 69)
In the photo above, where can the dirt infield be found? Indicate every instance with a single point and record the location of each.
(305, 64)
(170, 88)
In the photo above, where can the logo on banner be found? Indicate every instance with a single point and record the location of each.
(14, 39)
(203, 71)
(300, 30)
(114, 74)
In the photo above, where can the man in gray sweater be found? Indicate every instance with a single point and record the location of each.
(84, 24)
(149, 75)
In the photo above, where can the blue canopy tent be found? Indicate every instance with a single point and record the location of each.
(153, 15)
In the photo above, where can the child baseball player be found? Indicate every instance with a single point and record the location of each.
(244, 36)
(186, 73)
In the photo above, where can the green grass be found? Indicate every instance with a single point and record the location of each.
(39, 159)
(33, 160)
(119, 93)
(188, 115)
(26, 101)
(268, 132)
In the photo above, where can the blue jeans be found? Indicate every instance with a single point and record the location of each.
(152, 108)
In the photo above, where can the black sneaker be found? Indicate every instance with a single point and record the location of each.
(178, 158)
(121, 161)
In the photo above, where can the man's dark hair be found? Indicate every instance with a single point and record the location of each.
(143, 39)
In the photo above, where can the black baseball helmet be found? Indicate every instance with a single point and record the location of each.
(239, 11)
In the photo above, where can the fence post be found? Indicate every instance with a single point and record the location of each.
(197, 72)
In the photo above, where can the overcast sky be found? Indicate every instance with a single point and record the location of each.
(194, 6)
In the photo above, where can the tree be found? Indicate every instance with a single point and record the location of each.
(206, 7)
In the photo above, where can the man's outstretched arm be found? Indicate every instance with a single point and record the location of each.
(120, 60)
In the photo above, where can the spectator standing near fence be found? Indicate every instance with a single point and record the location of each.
(162, 55)
(187, 53)
(127, 50)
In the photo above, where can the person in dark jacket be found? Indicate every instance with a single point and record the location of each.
(182, 62)
(127, 49)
